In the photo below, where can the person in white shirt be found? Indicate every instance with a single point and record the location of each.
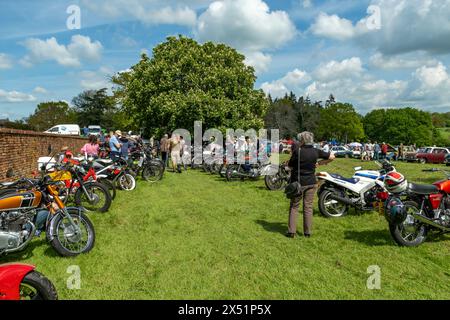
(326, 148)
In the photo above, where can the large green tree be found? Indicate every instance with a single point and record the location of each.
(340, 121)
(49, 114)
(96, 107)
(185, 81)
(407, 126)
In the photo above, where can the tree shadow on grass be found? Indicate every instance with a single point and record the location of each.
(275, 227)
(370, 238)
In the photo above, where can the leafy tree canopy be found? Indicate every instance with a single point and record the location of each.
(186, 81)
(49, 114)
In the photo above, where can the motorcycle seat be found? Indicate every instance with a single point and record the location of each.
(422, 188)
(351, 180)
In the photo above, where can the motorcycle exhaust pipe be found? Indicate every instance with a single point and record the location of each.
(430, 222)
(342, 200)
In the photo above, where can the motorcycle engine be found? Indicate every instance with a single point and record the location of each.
(12, 232)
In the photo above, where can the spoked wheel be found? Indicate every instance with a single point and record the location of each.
(35, 286)
(127, 182)
(96, 197)
(152, 173)
(72, 239)
(331, 208)
(411, 233)
(274, 182)
(231, 172)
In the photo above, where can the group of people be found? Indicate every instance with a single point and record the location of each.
(178, 149)
(115, 145)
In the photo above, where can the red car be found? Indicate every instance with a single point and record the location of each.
(432, 155)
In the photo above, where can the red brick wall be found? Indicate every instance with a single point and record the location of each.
(20, 149)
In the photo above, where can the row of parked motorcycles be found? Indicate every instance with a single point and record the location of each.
(57, 202)
(412, 211)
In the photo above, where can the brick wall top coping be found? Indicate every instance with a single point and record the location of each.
(35, 133)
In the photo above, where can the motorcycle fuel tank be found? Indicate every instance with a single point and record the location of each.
(20, 201)
(443, 186)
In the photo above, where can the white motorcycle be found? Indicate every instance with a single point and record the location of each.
(337, 193)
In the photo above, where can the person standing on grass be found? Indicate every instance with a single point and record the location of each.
(175, 152)
(91, 148)
(115, 145)
(125, 144)
(186, 154)
(384, 150)
(164, 147)
(305, 168)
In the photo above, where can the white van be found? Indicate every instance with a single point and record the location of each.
(94, 130)
(65, 129)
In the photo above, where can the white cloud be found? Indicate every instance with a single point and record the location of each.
(15, 96)
(5, 61)
(40, 90)
(405, 26)
(258, 60)
(80, 48)
(292, 81)
(409, 61)
(95, 80)
(247, 25)
(332, 26)
(147, 11)
(347, 68)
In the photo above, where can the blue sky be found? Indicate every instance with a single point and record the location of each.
(372, 53)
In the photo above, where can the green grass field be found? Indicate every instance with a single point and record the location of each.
(195, 236)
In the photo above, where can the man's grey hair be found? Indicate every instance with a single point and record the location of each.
(306, 138)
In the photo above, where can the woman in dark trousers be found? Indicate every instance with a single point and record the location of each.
(308, 163)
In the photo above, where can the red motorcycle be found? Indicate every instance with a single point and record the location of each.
(21, 282)
(418, 210)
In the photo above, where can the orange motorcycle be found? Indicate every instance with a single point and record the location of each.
(36, 208)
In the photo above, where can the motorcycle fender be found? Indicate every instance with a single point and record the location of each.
(11, 276)
(102, 176)
(270, 170)
(51, 229)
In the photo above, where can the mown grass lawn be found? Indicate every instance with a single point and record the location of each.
(195, 236)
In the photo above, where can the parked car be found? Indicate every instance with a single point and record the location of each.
(342, 152)
(65, 129)
(94, 130)
(432, 155)
(447, 160)
(356, 152)
(409, 154)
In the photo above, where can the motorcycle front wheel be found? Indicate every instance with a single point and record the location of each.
(66, 241)
(152, 173)
(331, 208)
(274, 182)
(98, 197)
(35, 286)
(126, 182)
(411, 233)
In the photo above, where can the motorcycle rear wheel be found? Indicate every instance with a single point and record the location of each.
(35, 286)
(331, 208)
(410, 233)
(110, 186)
